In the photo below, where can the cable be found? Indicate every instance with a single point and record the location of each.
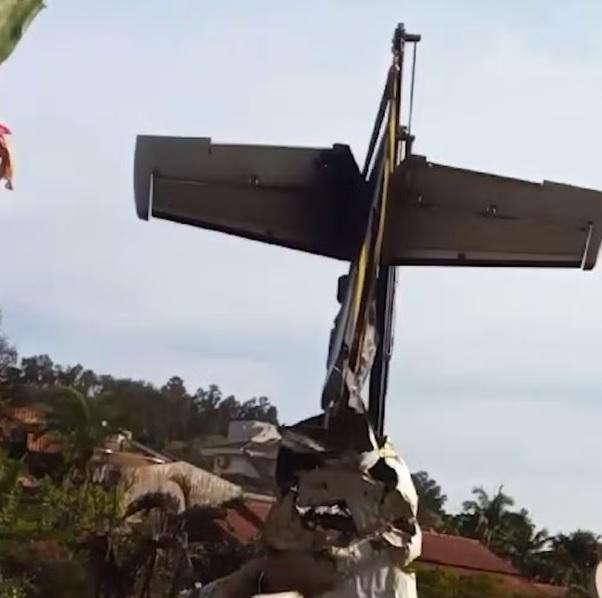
(414, 53)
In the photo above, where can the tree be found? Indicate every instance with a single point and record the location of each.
(80, 422)
(175, 389)
(511, 534)
(8, 355)
(44, 539)
(182, 404)
(68, 375)
(38, 370)
(524, 545)
(213, 412)
(484, 517)
(141, 408)
(431, 499)
(84, 380)
(258, 409)
(574, 556)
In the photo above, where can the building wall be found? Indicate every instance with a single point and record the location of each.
(234, 465)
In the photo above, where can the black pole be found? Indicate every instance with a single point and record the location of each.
(387, 277)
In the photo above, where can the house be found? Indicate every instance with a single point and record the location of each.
(22, 433)
(247, 456)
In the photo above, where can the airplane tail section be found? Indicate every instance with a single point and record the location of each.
(315, 200)
(301, 198)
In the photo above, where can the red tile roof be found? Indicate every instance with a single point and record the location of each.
(46, 443)
(548, 590)
(464, 553)
(246, 524)
(25, 415)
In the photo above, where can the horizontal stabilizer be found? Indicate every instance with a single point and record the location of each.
(315, 200)
(449, 216)
(300, 198)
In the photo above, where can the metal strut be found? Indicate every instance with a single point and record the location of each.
(387, 276)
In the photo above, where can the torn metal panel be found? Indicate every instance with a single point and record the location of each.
(381, 499)
(355, 517)
(336, 527)
(284, 529)
(372, 507)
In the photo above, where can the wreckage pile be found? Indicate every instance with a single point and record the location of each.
(344, 523)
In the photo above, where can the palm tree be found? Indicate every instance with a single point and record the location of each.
(484, 517)
(431, 499)
(79, 421)
(575, 556)
(524, 544)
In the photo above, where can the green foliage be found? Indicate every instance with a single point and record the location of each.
(436, 583)
(79, 421)
(431, 512)
(11, 588)
(82, 400)
(484, 517)
(574, 556)
(65, 511)
(8, 358)
(45, 530)
(15, 17)
(76, 509)
(523, 544)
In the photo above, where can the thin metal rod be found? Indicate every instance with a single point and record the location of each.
(380, 115)
(412, 83)
(386, 281)
(387, 275)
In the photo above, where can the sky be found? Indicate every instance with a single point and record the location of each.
(496, 377)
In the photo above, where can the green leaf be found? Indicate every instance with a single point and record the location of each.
(15, 17)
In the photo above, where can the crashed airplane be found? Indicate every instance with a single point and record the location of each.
(344, 523)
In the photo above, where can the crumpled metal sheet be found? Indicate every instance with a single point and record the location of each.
(347, 502)
(345, 522)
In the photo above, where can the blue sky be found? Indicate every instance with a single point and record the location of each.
(496, 376)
